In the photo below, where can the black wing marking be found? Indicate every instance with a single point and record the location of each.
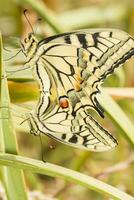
(83, 59)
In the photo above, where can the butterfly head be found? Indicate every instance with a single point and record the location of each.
(29, 44)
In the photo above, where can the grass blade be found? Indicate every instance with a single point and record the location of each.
(37, 166)
(93, 16)
(13, 178)
(117, 114)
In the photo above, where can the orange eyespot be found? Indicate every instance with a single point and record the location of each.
(64, 102)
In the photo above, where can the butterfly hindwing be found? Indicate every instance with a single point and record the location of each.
(81, 131)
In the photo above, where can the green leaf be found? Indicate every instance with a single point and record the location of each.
(117, 114)
(93, 16)
(40, 167)
(12, 178)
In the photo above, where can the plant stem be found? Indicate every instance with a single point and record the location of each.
(67, 174)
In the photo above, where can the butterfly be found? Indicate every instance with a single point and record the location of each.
(69, 69)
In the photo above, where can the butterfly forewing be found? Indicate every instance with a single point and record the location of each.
(87, 58)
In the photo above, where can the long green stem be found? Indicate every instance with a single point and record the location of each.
(117, 114)
(67, 174)
(13, 179)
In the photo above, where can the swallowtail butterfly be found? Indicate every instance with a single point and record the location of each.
(69, 69)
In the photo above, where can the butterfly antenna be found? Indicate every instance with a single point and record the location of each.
(25, 11)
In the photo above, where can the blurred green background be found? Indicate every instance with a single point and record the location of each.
(115, 167)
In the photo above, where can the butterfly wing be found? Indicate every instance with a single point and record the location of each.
(81, 131)
(77, 63)
(57, 118)
(82, 60)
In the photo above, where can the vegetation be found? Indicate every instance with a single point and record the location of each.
(69, 173)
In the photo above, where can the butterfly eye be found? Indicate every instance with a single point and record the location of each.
(64, 102)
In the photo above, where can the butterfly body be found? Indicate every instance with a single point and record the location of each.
(69, 69)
